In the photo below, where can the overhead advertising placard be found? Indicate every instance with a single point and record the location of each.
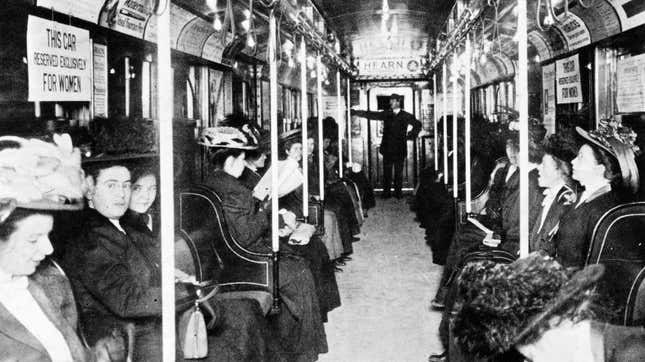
(389, 67)
(127, 16)
(99, 54)
(567, 73)
(575, 32)
(630, 79)
(85, 9)
(395, 57)
(600, 18)
(630, 12)
(548, 97)
(58, 61)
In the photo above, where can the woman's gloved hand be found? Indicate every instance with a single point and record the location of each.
(111, 348)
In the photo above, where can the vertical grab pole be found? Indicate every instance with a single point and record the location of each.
(339, 115)
(166, 186)
(273, 85)
(349, 122)
(304, 106)
(455, 152)
(444, 90)
(467, 127)
(321, 163)
(455, 116)
(523, 106)
(435, 117)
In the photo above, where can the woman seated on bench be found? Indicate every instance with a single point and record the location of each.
(241, 331)
(337, 197)
(38, 316)
(115, 271)
(299, 325)
(605, 167)
(315, 251)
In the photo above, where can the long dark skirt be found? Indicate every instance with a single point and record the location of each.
(337, 193)
(298, 326)
(364, 188)
(315, 253)
(468, 238)
(242, 335)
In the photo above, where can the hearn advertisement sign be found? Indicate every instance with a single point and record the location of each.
(381, 57)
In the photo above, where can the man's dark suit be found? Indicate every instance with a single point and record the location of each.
(393, 145)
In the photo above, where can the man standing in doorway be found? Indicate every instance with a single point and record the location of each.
(394, 145)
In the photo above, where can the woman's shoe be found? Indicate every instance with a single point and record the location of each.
(438, 357)
(437, 305)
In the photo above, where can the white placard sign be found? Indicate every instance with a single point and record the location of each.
(100, 70)
(128, 17)
(575, 32)
(393, 67)
(58, 61)
(630, 12)
(630, 79)
(548, 97)
(330, 106)
(567, 73)
(85, 9)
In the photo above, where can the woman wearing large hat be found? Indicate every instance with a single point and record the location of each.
(38, 316)
(604, 166)
(539, 308)
(299, 324)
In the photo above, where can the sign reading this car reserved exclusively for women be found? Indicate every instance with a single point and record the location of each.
(58, 61)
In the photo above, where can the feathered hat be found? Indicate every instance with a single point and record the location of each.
(620, 142)
(228, 137)
(503, 305)
(35, 174)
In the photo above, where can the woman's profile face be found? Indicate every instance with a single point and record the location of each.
(261, 161)
(512, 153)
(27, 246)
(311, 145)
(295, 152)
(144, 193)
(234, 166)
(585, 167)
(549, 175)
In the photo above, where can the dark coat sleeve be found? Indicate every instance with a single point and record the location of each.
(245, 221)
(377, 116)
(416, 126)
(115, 282)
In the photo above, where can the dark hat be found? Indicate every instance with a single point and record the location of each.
(294, 136)
(537, 131)
(502, 305)
(123, 135)
(330, 128)
(128, 160)
(396, 96)
(620, 142)
(561, 145)
(264, 141)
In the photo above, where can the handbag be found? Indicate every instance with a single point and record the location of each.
(193, 329)
(317, 217)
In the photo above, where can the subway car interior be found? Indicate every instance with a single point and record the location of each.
(456, 180)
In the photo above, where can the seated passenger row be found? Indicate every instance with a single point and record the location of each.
(562, 218)
(113, 263)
